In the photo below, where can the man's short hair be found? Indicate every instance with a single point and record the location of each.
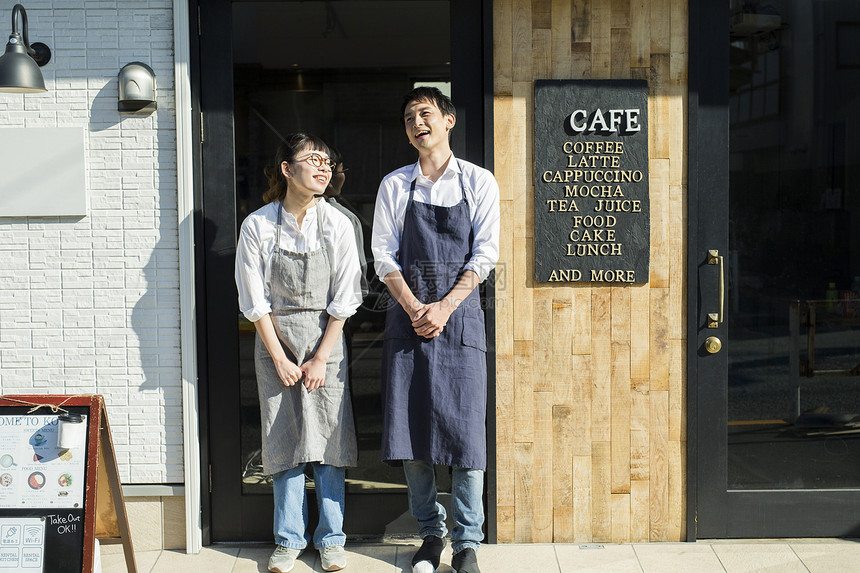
(428, 94)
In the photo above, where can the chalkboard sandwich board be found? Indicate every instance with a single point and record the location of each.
(59, 484)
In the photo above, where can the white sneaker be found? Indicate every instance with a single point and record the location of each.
(283, 559)
(426, 559)
(423, 567)
(333, 557)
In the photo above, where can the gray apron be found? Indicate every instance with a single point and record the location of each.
(434, 391)
(300, 426)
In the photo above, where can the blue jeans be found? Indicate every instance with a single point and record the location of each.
(291, 506)
(467, 487)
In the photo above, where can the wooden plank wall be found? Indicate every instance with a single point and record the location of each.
(590, 378)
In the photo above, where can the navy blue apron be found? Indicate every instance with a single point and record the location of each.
(434, 391)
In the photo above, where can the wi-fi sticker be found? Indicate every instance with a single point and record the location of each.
(33, 531)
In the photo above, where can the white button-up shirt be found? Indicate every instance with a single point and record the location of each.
(482, 195)
(257, 245)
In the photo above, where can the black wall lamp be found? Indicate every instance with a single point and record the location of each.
(19, 66)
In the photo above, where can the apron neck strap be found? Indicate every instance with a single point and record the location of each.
(323, 241)
(411, 191)
(462, 187)
(280, 217)
(319, 222)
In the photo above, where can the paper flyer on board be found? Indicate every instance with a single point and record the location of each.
(34, 470)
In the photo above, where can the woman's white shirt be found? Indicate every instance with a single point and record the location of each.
(257, 245)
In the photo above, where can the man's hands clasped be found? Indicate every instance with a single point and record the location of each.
(429, 320)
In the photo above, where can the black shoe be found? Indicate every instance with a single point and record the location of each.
(430, 552)
(466, 561)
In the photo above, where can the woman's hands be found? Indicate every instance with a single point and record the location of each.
(287, 370)
(314, 371)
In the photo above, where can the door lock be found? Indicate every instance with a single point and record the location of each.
(713, 344)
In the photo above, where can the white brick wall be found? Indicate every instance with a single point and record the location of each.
(92, 305)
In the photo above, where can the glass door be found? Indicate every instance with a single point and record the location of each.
(777, 263)
(337, 69)
(328, 68)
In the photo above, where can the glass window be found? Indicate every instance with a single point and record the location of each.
(794, 261)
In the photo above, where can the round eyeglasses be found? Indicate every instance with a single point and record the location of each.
(317, 160)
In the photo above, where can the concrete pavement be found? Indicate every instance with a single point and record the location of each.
(721, 556)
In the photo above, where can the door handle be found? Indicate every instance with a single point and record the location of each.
(715, 318)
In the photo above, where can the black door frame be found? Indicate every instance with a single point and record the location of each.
(712, 510)
(227, 517)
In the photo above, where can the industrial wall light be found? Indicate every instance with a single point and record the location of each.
(19, 72)
(136, 88)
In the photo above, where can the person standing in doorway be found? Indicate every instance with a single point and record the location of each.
(435, 238)
(297, 274)
(332, 193)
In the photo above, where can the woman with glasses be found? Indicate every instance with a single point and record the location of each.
(298, 279)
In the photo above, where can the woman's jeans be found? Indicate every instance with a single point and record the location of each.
(467, 505)
(291, 506)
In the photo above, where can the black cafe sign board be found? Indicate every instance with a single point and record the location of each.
(592, 213)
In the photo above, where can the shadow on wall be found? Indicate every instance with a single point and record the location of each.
(132, 165)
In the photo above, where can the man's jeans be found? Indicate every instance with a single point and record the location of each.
(467, 487)
(291, 506)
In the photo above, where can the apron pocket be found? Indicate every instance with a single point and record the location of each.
(470, 398)
(474, 334)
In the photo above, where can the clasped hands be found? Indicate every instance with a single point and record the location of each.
(313, 371)
(429, 320)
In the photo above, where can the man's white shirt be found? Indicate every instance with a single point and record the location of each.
(482, 196)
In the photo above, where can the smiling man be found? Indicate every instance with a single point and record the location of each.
(435, 238)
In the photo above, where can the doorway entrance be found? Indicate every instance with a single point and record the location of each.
(337, 69)
(775, 269)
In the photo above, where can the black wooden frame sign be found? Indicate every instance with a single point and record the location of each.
(592, 210)
(68, 547)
